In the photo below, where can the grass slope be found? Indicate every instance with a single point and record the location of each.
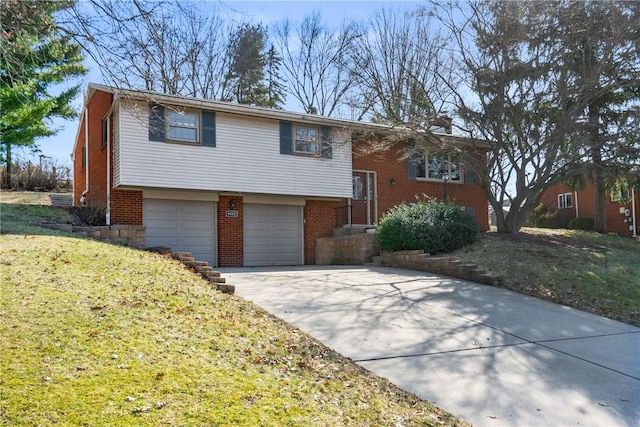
(594, 272)
(96, 334)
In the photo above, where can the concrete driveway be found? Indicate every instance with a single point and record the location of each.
(488, 355)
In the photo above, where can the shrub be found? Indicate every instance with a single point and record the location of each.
(90, 215)
(581, 223)
(434, 227)
(545, 216)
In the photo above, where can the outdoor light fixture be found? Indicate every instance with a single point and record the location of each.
(392, 182)
(232, 204)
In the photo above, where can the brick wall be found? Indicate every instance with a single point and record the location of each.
(391, 165)
(230, 233)
(97, 160)
(319, 221)
(126, 207)
(586, 206)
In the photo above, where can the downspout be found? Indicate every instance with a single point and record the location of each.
(575, 197)
(83, 197)
(108, 214)
(109, 132)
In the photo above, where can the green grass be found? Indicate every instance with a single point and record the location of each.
(594, 272)
(97, 334)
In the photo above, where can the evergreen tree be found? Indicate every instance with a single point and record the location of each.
(34, 57)
(253, 73)
(600, 53)
(275, 88)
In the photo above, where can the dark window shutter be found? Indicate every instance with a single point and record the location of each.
(209, 128)
(286, 140)
(156, 122)
(326, 149)
(469, 177)
(412, 167)
(470, 210)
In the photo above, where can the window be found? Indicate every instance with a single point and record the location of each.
(620, 193)
(565, 200)
(105, 131)
(182, 126)
(438, 166)
(84, 156)
(306, 140)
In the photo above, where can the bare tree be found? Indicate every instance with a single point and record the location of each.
(398, 65)
(314, 62)
(168, 47)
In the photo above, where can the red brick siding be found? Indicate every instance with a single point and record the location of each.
(97, 160)
(126, 207)
(392, 164)
(586, 206)
(319, 221)
(230, 233)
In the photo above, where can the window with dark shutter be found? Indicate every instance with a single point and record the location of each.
(412, 162)
(209, 128)
(286, 139)
(326, 149)
(156, 123)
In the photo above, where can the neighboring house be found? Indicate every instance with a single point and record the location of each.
(235, 185)
(621, 214)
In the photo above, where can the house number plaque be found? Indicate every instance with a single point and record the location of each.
(231, 213)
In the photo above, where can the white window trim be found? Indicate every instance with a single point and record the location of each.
(318, 141)
(426, 169)
(169, 126)
(562, 201)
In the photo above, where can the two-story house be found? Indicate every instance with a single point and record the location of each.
(235, 185)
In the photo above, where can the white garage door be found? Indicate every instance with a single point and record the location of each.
(182, 225)
(272, 235)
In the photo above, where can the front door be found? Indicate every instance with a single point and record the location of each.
(363, 201)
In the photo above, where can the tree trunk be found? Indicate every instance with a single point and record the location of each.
(8, 159)
(599, 213)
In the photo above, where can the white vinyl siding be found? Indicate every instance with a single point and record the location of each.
(272, 235)
(246, 159)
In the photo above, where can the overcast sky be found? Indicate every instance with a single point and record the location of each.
(60, 146)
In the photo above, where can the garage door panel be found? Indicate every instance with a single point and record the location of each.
(183, 226)
(272, 235)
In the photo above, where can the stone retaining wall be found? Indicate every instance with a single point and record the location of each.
(128, 235)
(448, 266)
(356, 249)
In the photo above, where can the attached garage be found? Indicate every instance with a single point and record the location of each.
(272, 235)
(183, 225)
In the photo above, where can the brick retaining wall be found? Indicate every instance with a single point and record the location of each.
(344, 250)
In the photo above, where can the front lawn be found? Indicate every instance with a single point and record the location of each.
(97, 334)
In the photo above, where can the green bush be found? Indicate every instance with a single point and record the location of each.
(581, 223)
(434, 227)
(545, 216)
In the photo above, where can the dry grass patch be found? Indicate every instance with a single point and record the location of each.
(95, 334)
(593, 272)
